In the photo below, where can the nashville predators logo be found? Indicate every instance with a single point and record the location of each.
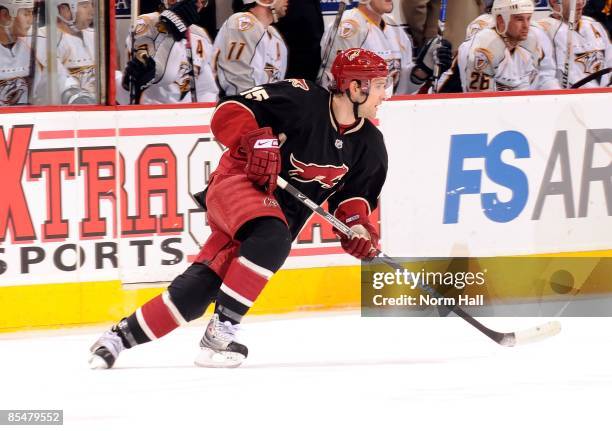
(86, 76)
(245, 23)
(141, 28)
(348, 29)
(482, 59)
(13, 90)
(591, 61)
(183, 80)
(326, 175)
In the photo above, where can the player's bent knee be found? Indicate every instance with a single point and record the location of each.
(265, 241)
(194, 290)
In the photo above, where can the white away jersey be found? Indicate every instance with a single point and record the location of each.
(547, 79)
(14, 72)
(388, 40)
(78, 55)
(487, 64)
(248, 54)
(172, 68)
(591, 46)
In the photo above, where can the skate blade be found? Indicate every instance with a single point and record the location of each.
(97, 363)
(208, 358)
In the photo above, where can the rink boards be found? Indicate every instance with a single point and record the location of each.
(96, 214)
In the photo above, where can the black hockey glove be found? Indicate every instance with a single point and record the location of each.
(179, 17)
(143, 74)
(436, 51)
(443, 56)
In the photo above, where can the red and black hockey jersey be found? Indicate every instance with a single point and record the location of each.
(319, 160)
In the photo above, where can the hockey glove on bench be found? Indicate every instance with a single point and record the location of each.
(179, 17)
(436, 51)
(142, 73)
(354, 214)
(263, 157)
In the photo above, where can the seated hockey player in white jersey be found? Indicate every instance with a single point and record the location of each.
(164, 64)
(15, 52)
(368, 26)
(76, 44)
(547, 79)
(505, 57)
(17, 67)
(592, 51)
(249, 51)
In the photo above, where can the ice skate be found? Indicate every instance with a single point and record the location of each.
(105, 351)
(219, 348)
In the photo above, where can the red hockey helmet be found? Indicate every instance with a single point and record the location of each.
(357, 64)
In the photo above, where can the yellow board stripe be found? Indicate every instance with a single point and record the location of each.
(69, 304)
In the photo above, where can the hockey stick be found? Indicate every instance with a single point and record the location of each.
(592, 77)
(571, 25)
(436, 72)
(133, 89)
(507, 339)
(33, 49)
(189, 53)
(330, 39)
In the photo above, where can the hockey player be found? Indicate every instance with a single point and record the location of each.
(15, 52)
(249, 51)
(505, 57)
(329, 149)
(592, 50)
(546, 79)
(161, 69)
(76, 44)
(16, 80)
(368, 26)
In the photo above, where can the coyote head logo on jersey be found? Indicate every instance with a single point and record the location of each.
(353, 54)
(326, 175)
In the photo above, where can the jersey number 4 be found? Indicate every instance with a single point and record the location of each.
(230, 54)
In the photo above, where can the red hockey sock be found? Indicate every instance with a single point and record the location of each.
(241, 286)
(159, 316)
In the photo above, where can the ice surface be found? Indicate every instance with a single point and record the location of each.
(323, 372)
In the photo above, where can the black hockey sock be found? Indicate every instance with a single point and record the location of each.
(230, 309)
(129, 331)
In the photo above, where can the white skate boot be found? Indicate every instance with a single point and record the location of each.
(219, 348)
(105, 351)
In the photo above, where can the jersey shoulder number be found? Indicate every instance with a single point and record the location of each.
(258, 94)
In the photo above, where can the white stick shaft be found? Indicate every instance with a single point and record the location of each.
(569, 57)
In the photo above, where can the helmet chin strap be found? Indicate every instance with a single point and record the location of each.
(356, 105)
(71, 24)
